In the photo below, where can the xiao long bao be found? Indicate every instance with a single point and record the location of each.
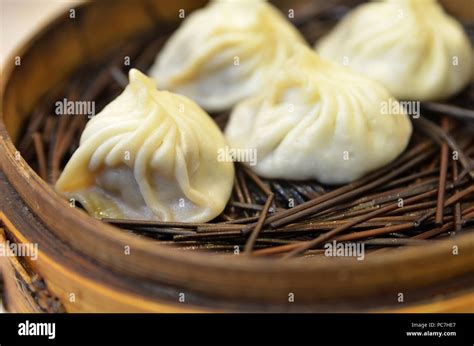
(225, 52)
(318, 120)
(150, 155)
(412, 47)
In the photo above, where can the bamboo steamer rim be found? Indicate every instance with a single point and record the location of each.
(408, 267)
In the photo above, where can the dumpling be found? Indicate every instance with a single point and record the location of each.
(150, 155)
(412, 47)
(225, 52)
(319, 120)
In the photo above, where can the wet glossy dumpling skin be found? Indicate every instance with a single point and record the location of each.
(225, 52)
(412, 47)
(319, 120)
(149, 154)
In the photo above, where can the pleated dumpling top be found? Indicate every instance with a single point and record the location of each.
(412, 47)
(225, 52)
(319, 120)
(150, 154)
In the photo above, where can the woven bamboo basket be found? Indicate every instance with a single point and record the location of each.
(82, 265)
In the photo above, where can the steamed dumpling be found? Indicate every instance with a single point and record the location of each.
(412, 47)
(150, 155)
(225, 52)
(317, 119)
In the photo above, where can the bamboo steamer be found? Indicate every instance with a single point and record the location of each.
(83, 265)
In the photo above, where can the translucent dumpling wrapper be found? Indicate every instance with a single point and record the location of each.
(225, 52)
(152, 155)
(319, 120)
(412, 47)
